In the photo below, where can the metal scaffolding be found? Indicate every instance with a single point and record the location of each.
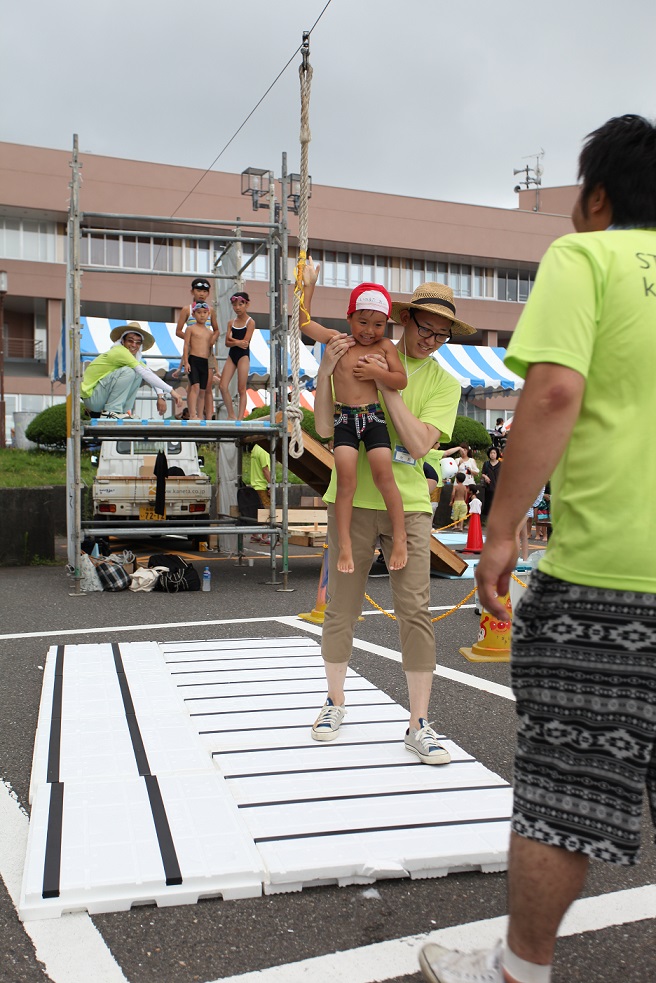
(268, 237)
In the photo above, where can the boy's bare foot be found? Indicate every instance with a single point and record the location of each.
(399, 556)
(345, 560)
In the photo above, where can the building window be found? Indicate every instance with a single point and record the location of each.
(28, 239)
(514, 285)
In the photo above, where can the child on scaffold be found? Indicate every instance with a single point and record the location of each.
(359, 417)
(198, 344)
(238, 339)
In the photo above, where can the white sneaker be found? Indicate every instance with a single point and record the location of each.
(424, 743)
(326, 726)
(440, 965)
(111, 415)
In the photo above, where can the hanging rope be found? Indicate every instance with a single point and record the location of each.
(294, 411)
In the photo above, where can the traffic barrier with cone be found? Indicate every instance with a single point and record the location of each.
(474, 535)
(493, 643)
(316, 615)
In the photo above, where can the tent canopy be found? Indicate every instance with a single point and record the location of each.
(479, 370)
(167, 350)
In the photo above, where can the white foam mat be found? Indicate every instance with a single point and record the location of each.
(353, 810)
(169, 773)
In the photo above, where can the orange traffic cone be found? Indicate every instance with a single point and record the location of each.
(493, 643)
(317, 613)
(474, 535)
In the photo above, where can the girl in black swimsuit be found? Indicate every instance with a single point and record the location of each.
(238, 336)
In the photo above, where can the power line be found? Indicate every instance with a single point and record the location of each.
(253, 110)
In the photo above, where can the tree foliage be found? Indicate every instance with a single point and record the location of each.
(468, 431)
(48, 429)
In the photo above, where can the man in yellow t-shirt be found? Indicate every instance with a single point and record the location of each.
(416, 419)
(111, 382)
(584, 636)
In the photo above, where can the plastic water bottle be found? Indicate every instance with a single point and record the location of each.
(207, 579)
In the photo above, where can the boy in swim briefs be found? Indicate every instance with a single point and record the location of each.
(200, 291)
(359, 416)
(198, 342)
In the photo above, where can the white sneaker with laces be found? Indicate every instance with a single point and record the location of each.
(440, 965)
(425, 744)
(111, 415)
(326, 726)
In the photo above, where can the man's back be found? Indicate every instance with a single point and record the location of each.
(593, 309)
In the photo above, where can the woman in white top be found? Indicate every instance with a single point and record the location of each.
(467, 465)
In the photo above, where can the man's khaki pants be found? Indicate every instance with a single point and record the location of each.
(410, 587)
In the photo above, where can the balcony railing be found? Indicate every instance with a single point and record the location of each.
(25, 348)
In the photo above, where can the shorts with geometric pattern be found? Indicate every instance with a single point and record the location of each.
(584, 675)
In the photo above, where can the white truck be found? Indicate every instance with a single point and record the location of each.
(125, 484)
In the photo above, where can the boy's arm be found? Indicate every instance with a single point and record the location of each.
(182, 320)
(214, 322)
(185, 350)
(313, 330)
(214, 338)
(392, 375)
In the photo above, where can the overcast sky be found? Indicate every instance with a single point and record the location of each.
(429, 98)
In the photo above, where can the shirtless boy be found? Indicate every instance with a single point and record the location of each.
(200, 291)
(359, 416)
(198, 343)
(459, 502)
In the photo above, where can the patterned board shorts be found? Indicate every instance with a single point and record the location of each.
(360, 423)
(584, 675)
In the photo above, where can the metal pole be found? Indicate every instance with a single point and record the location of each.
(284, 338)
(3, 291)
(274, 250)
(73, 375)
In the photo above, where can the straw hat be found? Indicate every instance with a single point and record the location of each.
(133, 327)
(434, 298)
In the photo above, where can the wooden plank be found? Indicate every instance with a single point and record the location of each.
(297, 517)
(315, 465)
(444, 560)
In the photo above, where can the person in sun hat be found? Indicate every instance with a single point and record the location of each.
(416, 418)
(110, 383)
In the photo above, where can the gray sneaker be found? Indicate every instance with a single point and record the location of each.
(326, 726)
(425, 745)
(440, 965)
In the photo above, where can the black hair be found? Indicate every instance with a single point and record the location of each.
(241, 293)
(460, 477)
(621, 157)
(500, 419)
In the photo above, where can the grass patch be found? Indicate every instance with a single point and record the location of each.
(34, 468)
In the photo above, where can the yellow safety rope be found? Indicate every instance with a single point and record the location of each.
(439, 617)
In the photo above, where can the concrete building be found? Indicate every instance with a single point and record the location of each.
(489, 256)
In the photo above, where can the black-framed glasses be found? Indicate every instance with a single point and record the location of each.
(434, 336)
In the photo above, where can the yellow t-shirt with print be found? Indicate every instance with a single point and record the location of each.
(593, 309)
(432, 395)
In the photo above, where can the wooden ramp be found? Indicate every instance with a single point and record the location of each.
(315, 465)
(170, 773)
(444, 560)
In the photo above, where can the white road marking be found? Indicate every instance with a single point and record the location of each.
(485, 685)
(17, 636)
(66, 946)
(398, 957)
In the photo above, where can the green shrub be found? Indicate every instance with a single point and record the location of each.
(48, 429)
(468, 431)
(307, 423)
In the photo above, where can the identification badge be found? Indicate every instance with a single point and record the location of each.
(401, 456)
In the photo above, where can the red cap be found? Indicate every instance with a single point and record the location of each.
(370, 297)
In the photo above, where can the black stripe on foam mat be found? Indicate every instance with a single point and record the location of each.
(297, 747)
(52, 859)
(52, 862)
(162, 828)
(313, 771)
(380, 829)
(399, 794)
(245, 730)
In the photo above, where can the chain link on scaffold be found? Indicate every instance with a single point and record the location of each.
(294, 410)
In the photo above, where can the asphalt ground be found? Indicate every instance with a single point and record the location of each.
(214, 940)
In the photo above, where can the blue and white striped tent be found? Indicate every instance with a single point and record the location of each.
(478, 370)
(167, 350)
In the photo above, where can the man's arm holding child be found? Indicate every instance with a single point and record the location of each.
(391, 375)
